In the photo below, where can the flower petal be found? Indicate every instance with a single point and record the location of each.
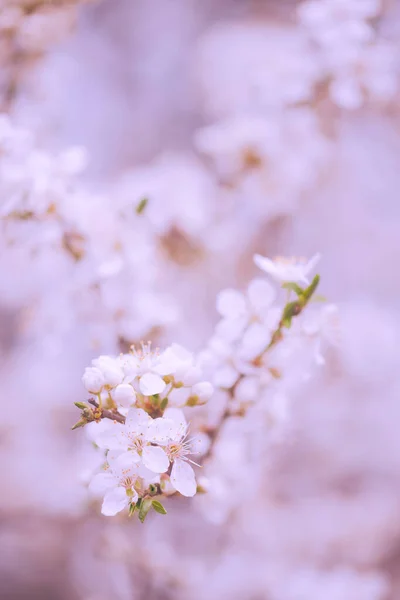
(110, 438)
(179, 420)
(226, 376)
(265, 264)
(160, 430)
(183, 479)
(150, 384)
(123, 464)
(101, 483)
(255, 340)
(155, 459)
(124, 395)
(231, 304)
(137, 421)
(261, 295)
(114, 501)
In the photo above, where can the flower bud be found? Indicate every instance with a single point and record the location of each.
(112, 372)
(124, 394)
(93, 380)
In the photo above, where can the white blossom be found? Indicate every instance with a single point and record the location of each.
(171, 433)
(119, 484)
(93, 380)
(281, 269)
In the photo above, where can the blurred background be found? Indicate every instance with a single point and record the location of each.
(266, 126)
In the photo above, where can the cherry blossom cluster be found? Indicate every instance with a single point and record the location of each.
(357, 63)
(147, 439)
(28, 28)
(136, 413)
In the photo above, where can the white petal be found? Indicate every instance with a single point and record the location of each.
(124, 394)
(255, 340)
(261, 294)
(230, 330)
(160, 430)
(114, 501)
(94, 429)
(204, 390)
(123, 464)
(226, 376)
(231, 304)
(147, 475)
(183, 479)
(312, 262)
(150, 384)
(137, 421)
(179, 420)
(93, 380)
(265, 264)
(172, 359)
(200, 443)
(101, 483)
(110, 438)
(247, 389)
(155, 459)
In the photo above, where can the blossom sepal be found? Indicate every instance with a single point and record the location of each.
(144, 505)
(158, 507)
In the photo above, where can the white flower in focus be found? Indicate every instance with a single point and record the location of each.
(120, 483)
(282, 269)
(147, 368)
(124, 395)
(117, 485)
(93, 380)
(135, 437)
(170, 432)
(109, 367)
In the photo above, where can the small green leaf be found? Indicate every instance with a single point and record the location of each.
(308, 292)
(164, 403)
(145, 506)
(158, 507)
(142, 205)
(80, 423)
(132, 508)
(291, 285)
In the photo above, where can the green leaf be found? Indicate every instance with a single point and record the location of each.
(158, 507)
(132, 508)
(308, 292)
(142, 205)
(291, 285)
(80, 423)
(145, 506)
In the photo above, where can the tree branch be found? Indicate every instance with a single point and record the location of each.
(107, 414)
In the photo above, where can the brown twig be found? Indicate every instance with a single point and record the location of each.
(107, 414)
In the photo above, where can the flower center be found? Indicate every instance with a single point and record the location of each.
(179, 449)
(286, 261)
